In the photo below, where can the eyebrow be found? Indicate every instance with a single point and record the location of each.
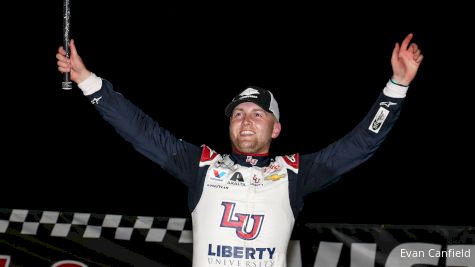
(254, 109)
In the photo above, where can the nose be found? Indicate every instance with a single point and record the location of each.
(246, 120)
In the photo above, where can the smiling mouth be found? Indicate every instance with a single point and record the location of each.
(247, 133)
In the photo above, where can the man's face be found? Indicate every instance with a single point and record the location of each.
(252, 129)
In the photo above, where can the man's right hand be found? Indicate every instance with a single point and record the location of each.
(74, 64)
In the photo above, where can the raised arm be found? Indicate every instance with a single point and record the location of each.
(324, 167)
(177, 157)
(405, 61)
(74, 64)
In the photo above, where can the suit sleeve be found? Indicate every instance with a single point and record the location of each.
(322, 168)
(177, 157)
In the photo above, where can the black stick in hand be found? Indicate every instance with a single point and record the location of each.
(66, 84)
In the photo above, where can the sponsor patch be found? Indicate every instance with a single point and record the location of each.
(387, 103)
(274, 177)
(237, 176)
(378, 120)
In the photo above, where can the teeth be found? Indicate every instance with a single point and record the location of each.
(247, 132)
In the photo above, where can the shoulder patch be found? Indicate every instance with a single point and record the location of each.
(207, 154)
(292, 160)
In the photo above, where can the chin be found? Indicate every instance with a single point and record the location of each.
(247, 149)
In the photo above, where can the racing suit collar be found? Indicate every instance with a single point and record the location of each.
(249, 160)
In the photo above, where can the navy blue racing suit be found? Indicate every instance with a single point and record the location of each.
(244, 206)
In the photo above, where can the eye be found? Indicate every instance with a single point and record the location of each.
(237, 114)
(259, 115)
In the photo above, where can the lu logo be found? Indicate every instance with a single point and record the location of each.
(240, 222)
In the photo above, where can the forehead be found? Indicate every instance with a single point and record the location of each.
(248, 106)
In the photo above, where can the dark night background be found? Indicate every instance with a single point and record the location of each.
(182, 63)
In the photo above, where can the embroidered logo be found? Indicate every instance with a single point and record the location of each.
(249, 93)
(251, 160)
(378, 120)
(387, 103)
(95, 100)
(241, 222)
(274, 177)
(237, 177)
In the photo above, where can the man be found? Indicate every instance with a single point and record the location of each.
(244, 204)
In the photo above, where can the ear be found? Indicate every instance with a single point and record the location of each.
(276, 129)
